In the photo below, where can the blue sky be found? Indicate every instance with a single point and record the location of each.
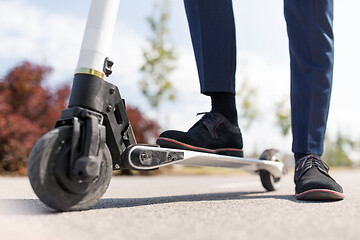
(50, 32)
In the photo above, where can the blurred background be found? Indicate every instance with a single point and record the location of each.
(156, 73)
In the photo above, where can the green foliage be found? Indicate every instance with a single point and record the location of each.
(160, 58)
(283, 116)
(247, 104)
(337, 150)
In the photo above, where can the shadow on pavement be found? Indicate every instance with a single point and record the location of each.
(135, 202)
(36, 207)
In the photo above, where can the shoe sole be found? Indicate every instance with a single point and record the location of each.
(171, 143)
(320, 195)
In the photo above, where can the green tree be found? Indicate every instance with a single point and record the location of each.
(247, 103)
(160, 58)
(283, 116)
(336, 151)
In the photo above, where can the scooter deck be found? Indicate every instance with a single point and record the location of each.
(142, 157)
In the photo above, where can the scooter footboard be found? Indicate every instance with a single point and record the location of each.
(143, 157)
(247, 164)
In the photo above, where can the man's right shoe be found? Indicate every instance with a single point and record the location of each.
(313, 181)
(213, 133)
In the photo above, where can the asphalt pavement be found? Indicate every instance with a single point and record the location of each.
(185, 207)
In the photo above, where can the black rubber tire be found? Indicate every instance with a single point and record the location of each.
(43, 171)
(269, 182)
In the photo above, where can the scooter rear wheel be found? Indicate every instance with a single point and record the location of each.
(269, 182)
(49, 173)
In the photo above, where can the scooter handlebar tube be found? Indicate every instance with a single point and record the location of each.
(97, 37)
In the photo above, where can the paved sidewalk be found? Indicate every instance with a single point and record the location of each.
(189, 207)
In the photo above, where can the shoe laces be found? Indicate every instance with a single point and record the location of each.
(208, 117)
(307, 162)
(202, 113)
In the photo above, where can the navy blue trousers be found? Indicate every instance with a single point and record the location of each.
(311, 47)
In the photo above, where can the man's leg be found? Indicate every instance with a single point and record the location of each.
(212, 29)
(311, 45)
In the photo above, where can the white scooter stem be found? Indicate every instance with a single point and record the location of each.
(97, 37)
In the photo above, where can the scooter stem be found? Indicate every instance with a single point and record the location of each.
(98, 37)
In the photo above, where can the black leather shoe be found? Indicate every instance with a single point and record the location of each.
(313, 181)
(213, 133)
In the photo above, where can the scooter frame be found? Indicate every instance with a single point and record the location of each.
(96, 122)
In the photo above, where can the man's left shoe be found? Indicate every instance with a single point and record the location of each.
(213, 133)
(313, 181)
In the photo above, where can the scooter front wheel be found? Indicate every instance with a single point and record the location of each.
(269, 182)
(49, 173)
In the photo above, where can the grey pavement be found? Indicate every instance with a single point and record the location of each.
(185, 207)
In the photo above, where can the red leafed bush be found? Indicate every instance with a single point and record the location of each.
(146, 130)
(28, 110)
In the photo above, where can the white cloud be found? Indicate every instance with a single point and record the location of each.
(40, 36)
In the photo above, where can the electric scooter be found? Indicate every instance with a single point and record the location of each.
(70, 167)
